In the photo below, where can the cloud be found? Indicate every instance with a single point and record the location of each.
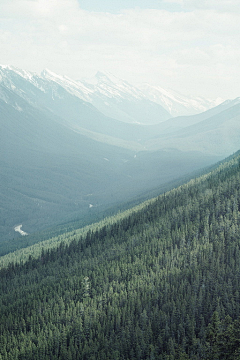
(216, 5)
(32, 9)
(158, 46)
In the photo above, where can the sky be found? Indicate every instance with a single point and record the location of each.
(190, 46)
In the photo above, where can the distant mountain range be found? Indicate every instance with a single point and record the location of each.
(110, 93)
(70, 148)
(120, 100)
(177, 104)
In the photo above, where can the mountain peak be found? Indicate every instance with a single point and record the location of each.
(45, 72)
(48, 74)
(100, 74)
(108, 77)
(9, 70)
(5, 66)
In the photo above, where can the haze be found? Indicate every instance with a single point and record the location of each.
(189, 46)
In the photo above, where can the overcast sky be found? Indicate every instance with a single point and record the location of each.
(191, 46)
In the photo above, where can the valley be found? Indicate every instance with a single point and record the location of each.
(54, 144)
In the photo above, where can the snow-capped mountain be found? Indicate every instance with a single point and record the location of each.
(177, 104)
(113, 97)
(111, 86)
(62, 98)
(82, 106)
(109, 92)
(73, 87)
(118, 99)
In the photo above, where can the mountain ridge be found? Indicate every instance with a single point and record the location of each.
(105, 86)
(176, 103)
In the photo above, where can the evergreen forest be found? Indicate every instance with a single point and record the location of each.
(160, 281)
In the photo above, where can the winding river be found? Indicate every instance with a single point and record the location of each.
(18, 228)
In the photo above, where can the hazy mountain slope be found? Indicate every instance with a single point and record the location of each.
(47, 95)
(49, 171)
(50, 95)
(179, 122)
(62, 96)
(158, 281)
(113, 97)
(118, 99)
(177, 104)
(218, 134)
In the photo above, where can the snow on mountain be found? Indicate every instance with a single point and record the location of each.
(39, 90)
(18, 82)
(9, 73)
(44, 94)
(178, 104)
(231, 102)
(113, 97)
(110, 86)
(73, 87)
(107, 87)
(118, 99)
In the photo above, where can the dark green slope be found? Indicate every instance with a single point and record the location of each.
(158, 282)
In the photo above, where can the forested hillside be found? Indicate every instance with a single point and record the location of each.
(158, 282)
